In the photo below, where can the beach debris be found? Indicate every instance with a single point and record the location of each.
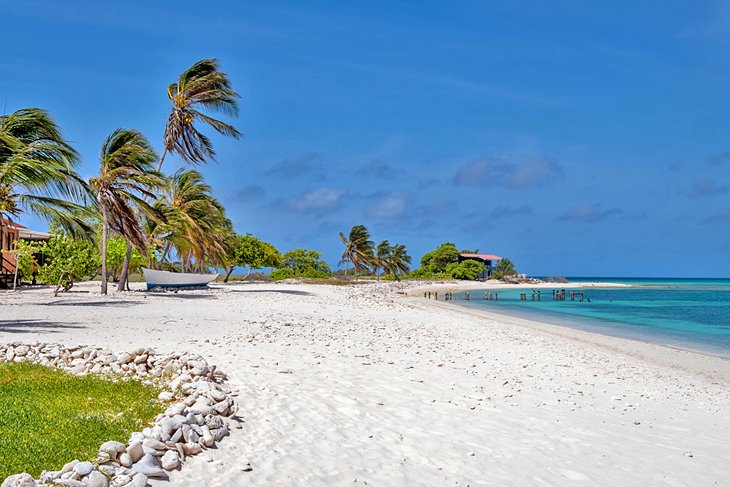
(203, 414)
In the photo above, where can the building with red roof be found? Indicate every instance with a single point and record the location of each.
(490, 261)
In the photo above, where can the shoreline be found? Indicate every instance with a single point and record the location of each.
(590, 325)
(664, 355)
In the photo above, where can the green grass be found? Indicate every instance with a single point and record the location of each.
(49, 417)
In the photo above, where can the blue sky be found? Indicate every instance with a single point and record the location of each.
(576, 138)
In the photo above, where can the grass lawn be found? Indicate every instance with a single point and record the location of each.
(49, 417)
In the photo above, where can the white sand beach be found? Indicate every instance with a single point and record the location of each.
(363, 385)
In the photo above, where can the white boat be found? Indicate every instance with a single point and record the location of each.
(175, 280)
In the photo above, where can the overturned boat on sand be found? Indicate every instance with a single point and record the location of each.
(176, 280)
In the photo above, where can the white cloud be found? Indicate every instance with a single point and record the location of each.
(318, 199)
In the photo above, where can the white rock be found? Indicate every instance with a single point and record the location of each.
(177, 436)
(220, 433)
(149, 466)
(170, 460)
(154, 444)
(175, 409)
(192, 448)
(125, 460)
(135, 451)
(139, 480)
(96, 479)
(69, 466)
(70, 483)
(19, 480)
(218, 395)
(165, 396)
(83, 468)
(121, 480)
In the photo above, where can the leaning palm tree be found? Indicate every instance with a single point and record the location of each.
(38, 171)
(399, 262)
(383, 253)
(201, 87)
(127, 178)
(194, 223)
(358, 248)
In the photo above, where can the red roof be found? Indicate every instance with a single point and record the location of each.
(481, 256)
(8, 223)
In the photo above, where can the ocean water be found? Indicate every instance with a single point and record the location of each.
(687, 313)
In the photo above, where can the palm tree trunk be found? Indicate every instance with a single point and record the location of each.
(162, 159)
(104, 235)
(125, 269)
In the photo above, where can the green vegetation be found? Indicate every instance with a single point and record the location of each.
(367, 259)
(436, 261)
(49, 417)
(302, 263)
(201, 87)
(392, 259)
(359, 249)
(249, 251)
(173, 222)
(38, 170)
(443, 263)
(125, 179)
(68, 260)
(467, 270)
(116, 250)
(505, 268)
(192, 223)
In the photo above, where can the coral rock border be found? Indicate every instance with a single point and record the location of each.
(201, 413)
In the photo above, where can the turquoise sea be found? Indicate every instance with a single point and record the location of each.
(686, 313)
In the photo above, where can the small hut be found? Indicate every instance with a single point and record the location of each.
(10, 232)
(490, 261)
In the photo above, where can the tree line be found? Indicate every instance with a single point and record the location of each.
(132, 214)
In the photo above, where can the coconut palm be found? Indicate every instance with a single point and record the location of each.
(202, 86)
(126, 180)
(383, 253)
(38, 171)
(399, 262)
(194, 223)
(358, 248)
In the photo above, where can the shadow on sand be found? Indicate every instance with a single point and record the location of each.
(279, 291)
(35, 326)
(112, 304)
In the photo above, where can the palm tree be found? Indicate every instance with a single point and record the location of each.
(358, 248)
(126, 179)
(399, 262)
(202, 86)
(194, 222)
(383, 253)
(38, 171)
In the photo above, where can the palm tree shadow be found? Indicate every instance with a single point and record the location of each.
(111, 303)
(35, 326)
(278, 291)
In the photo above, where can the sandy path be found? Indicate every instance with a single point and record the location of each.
(362, 386)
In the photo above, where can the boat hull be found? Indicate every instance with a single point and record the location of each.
(176, 280)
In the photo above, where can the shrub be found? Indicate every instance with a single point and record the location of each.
(281, 274)
(68, 260)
